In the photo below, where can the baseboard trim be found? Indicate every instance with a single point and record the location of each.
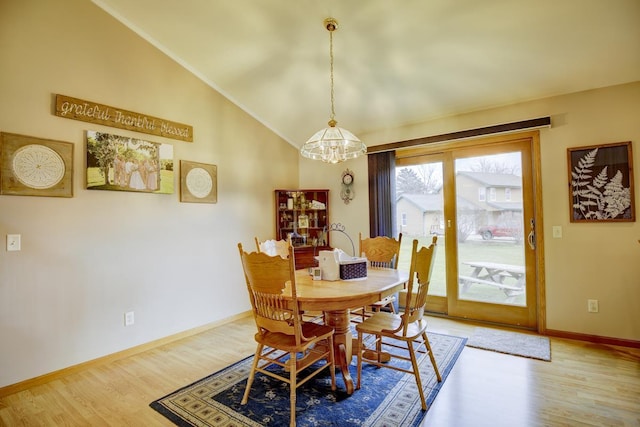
(593, 338)
(42, 379)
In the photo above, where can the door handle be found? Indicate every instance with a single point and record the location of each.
(531, 238)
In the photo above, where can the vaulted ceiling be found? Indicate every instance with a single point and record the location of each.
(396, 62)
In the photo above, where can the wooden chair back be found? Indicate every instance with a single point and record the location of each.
(273, 247)
(380, 251)
(419, 279)
(267, 277)
(280, 336)
(406, 331)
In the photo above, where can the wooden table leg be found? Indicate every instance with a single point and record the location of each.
(342, 343)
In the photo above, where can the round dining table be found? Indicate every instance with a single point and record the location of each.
(336, 298)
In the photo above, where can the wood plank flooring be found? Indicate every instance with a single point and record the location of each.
(584, 384)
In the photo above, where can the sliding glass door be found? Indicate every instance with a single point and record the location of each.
(478, 200)
(420, 213)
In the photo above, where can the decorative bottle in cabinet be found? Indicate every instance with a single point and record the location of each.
(303, 216)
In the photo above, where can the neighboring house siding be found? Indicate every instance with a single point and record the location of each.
(423, 213)
(499, 208)
(415, 225)
(467, 188)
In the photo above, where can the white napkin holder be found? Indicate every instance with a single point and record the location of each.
(329, 264)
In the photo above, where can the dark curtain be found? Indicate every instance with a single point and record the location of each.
(382, 194)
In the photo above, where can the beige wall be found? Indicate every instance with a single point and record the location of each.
(590, 261)
(87, 260)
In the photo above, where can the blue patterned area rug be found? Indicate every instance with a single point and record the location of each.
(387, 397)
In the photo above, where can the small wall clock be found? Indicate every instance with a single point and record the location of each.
(347, 194)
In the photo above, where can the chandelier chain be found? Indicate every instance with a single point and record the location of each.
(333, 112)
(332, 144)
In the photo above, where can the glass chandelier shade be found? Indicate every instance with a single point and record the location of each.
(332, 144)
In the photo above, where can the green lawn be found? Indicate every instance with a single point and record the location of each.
(503, 251)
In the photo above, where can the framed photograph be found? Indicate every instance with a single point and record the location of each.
(122, 163)
(303, 221)
(601, 183)
(198, 182)
(35, 167)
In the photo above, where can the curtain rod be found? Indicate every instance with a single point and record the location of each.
(463, 134)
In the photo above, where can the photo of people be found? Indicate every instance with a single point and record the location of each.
(127, 164)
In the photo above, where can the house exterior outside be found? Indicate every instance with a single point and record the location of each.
(484, 200)
(499, 198)
(420, 214)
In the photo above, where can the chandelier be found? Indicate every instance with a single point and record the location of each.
(332, 144)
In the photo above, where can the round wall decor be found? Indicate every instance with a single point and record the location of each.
(199, 182)
(37, 166)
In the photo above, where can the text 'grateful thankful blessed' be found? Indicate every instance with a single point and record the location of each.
(87, 111)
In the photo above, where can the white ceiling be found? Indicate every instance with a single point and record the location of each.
(396, 62)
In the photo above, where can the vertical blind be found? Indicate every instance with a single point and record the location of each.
(382, 194)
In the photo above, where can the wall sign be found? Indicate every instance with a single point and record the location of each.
(92, 112)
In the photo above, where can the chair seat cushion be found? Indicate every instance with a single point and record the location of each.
(311, 331)
(383, 323)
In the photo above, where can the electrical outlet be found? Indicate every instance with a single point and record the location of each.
(13, 242)
(592, 305)
(129, 318)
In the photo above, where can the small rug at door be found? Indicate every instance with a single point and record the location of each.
(387, 397)
(518, 344)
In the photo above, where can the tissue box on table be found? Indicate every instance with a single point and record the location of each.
(353, 268)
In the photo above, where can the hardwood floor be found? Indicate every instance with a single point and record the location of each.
(585, 384)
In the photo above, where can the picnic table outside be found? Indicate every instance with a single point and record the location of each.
(495, 274)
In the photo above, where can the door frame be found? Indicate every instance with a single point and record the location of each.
(537, 320)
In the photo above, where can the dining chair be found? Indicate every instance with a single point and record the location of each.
(381, 252)
(283, 338)
(273, 247)
(403, 335)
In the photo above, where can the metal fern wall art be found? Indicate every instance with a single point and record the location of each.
(601, 183)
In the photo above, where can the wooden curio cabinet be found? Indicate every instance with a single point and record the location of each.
(303, 216)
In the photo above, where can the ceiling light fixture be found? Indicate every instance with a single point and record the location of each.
(332, 144)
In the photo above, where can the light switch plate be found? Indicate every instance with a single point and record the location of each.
(13, 242)
(557, 232)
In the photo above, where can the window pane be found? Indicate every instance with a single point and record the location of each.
(490, 232)
(420, 204)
